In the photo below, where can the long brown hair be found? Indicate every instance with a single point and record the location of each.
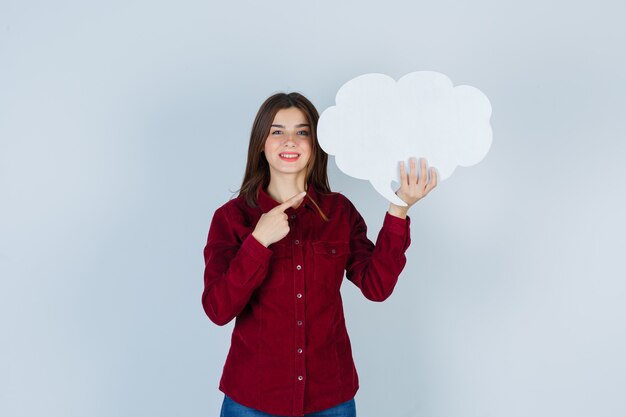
(257, 168)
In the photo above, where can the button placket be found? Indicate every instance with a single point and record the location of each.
(299, 300)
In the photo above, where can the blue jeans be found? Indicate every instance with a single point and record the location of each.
(231, 408)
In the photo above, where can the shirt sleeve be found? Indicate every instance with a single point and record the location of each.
(375, 268)
(233, 269)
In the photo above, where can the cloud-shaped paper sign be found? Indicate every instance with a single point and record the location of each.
(378, 122)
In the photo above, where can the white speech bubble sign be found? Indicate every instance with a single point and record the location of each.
(378, 122)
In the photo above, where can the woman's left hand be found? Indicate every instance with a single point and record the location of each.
(413, 188)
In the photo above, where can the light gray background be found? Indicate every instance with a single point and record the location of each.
(124, 125)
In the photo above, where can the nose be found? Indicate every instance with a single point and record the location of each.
(290, 140)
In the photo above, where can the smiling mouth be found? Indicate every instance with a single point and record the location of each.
(289, 156)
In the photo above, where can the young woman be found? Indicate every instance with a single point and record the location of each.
(275, 259)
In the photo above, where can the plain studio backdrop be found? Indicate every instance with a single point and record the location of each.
(125, 124)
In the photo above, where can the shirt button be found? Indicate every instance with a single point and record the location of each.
(293, 216)
(297, 242)
(333, 251)
(300, 378)
(299, 295)
(298, 267)
(299, 323)
(299, 350)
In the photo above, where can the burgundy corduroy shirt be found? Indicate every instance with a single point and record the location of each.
(290, 352)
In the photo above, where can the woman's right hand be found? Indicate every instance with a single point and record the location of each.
(274, 225)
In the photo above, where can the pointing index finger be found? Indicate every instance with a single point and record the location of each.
(290, 202)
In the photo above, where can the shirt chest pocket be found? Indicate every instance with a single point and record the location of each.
(330, 263)
(280, 264)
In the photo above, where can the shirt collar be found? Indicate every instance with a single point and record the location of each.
(266, 202)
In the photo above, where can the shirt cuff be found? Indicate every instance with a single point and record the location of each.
(396, 224)
(255, 249)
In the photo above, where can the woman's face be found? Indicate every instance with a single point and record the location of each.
(289, 144)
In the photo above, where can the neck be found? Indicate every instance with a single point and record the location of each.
(283, 187)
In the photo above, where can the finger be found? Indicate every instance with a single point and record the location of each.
(433, 179)
(413, 172)
(423, 180)
(403, 179)
(290, 202)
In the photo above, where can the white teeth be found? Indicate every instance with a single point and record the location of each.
(289, 156)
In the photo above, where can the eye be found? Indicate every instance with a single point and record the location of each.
(303, 132)
(277, 132)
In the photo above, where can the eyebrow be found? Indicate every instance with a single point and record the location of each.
(300, 125)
